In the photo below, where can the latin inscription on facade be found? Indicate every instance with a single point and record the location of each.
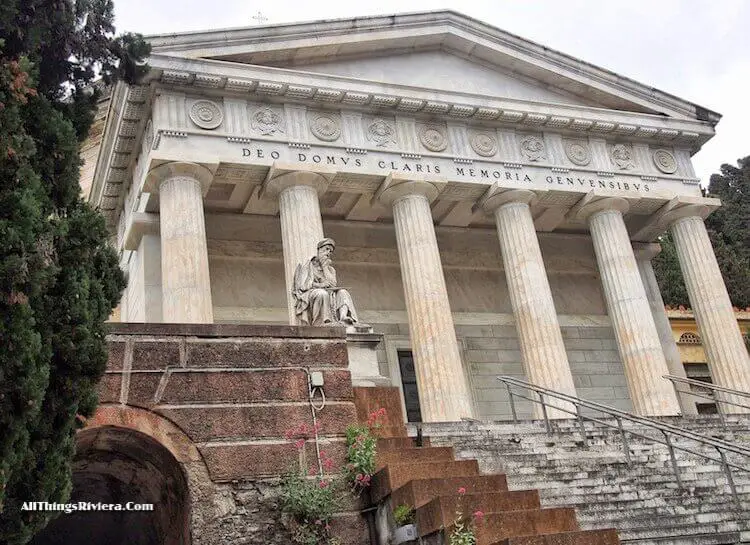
(445, 168)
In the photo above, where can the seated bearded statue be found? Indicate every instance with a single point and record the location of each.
(318, 300)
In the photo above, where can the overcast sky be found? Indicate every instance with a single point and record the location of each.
(698, 50)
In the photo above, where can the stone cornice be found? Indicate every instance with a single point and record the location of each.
(325, 90)
(446, 28)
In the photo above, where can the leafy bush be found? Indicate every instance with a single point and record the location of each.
(404, 514)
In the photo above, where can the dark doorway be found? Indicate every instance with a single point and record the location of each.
(117, 466)
(409, 384)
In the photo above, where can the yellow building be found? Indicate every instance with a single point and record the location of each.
(692, 353)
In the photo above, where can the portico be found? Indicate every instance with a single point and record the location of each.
(493, 229)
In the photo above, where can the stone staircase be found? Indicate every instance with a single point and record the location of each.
(428, 478)
(641, 499)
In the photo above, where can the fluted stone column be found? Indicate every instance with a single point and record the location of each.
(301, 223)
(644, 254)
(633, 324)
(443, 390)
(542, 348)
(727, 355)
(186, 286)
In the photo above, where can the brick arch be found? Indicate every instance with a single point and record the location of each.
(159, 428)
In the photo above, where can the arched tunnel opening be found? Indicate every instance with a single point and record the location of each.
(116, 466)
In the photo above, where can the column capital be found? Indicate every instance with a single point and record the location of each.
(646, 251)
(176, 169)
(700, 211)
(592, 203)
(497, 196)
(282, 176)
(395, 186)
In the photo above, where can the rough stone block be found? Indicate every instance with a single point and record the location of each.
(142, 389)
(350, 528)
(233, 462)
(482, 356)
(274, 420)
(608, 380)
(596, 333)
(151, 355)
(474, 331)
(115, 355)
(251, 386)
(267, 353)
(108, 388)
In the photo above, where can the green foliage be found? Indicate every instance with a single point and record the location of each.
(312, 503)
(361, 446)
(404, 514)
(59, 280)
(463, 532)
(669, 275)
(729, 231)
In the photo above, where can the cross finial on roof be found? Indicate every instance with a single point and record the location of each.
(260, 18)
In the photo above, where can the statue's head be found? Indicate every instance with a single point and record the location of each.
(325, 249)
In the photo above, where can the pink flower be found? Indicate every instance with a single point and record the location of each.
(366, 480)
(478, 516)
(359, 477)
(299, 443)
(461, 491)
(324, 484)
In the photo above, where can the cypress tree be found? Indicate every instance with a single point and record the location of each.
(59, 279)
(729, 231)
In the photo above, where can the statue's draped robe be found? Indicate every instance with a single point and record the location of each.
(317, 299)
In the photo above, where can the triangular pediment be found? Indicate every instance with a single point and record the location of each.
(446, 72)
(443, 50)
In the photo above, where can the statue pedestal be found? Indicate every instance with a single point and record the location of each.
(361, 344)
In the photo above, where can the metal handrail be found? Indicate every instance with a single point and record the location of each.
(712, 396)
(667, 430)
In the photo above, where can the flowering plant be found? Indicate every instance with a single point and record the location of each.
(463, 526)
(361, 442)
(310, 499)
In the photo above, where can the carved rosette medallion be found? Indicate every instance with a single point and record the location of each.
(381, 132)
(433, 137)
(665, 161)
(206, 114)
(622, 156)
(325, 126)
(483, 143)
(578, 152)
(532, 147)
(267, 121)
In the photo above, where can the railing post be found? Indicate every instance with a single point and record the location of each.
(625, 445)
(673, 458)
(544, 412)
(719, 410)
(730, 478)
(512, 403)
(581, 424)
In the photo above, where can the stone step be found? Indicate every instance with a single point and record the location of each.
(441, 511)
(499, 526)
(716, 538)
(394, 476)
(583, 537)
(417, 492)
(674, 531)
(628, 520)
(395, 443)
(414, 455)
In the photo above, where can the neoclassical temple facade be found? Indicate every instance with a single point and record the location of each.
(495, 205)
